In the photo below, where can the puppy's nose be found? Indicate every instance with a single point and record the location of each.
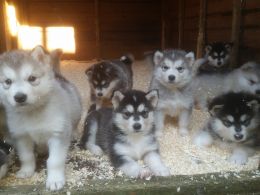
(238, 136)
(137, 126)
(20, 97)
(171, 77)
(100, 94)
(219, 63)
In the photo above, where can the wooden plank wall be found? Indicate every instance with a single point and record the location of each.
(218, 25)
(125, 26)
(136, 25)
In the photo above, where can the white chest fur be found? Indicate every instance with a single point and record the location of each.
(136, 146)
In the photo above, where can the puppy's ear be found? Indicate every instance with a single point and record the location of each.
(117, 97)
(56, 56)
(229, 46)
(89, 72)
(215, 109)
(38, 53)
(157, 57)
(57, 53)
(208, 48)
(253, 104)
(153, 97)
(190, 57)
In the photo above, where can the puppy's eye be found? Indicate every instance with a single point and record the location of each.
(8, 81)
(227, 123)
(246, 122)
(164, 67)
(127, 114)
(31, 79)
(106, 85)
(144, 114)
(180, 69)
(252, 82)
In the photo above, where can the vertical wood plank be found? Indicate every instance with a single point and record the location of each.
(163, 24)
(3, 46)
(181, 10)
(202, 24)
(235, 32)
(97, 29)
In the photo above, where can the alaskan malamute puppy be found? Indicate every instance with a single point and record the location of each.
(126, 133)
(218, 57)
(207, 86)
(42, 108)
(172, 77)
(233, 124)
(108, 76)
(5, 150)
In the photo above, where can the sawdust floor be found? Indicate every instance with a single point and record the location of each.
(178, 153)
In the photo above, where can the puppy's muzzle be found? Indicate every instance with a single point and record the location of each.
(137, 127)
(20, 98)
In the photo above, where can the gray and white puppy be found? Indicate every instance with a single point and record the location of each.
(126, 133)
(233, 124)
(172, 77)
(108, 76)
(5, 150)
(42, 108)
(205, 87)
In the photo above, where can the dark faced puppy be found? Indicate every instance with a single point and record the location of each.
(126, 133)
(235, 122)
(218, 56)
(107, 76)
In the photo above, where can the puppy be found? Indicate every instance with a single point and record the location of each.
(108, 76)
(233, 124)
(172, 77)
(42, 108)
(205, 87)
(126, 133)
(218, 57)
(5, 150)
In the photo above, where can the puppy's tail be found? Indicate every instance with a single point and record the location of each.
(128, 59)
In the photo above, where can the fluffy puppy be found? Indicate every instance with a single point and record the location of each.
(108, 76)
(126, 133)
(233, 124)
(42, 108)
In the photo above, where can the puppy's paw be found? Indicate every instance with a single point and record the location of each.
(145, 173)
(25, 172)
(94, 149)
(162, 171)
(184, 132)
(55, 182)
(239, 159)
(203, 139)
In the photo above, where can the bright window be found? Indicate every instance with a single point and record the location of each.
(29, 37)
(60, 37)
(11, 19)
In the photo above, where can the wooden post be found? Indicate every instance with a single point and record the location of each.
(235, 34)
(97, 29)
(202, 25)
(180, 23)
(163, 24)
(3, 30)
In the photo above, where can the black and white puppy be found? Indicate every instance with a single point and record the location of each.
(218, 56)
(108, 76)
(127, 133)
(234, 125)
(5, 150)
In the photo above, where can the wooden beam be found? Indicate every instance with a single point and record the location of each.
(202, 25)
(3, 44)
(97, 30)
(163, 24)
(235, 33)
(181, 9)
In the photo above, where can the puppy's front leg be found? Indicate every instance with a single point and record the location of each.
(240, 155)
(154, 162)
(184, 120)
(56, 163)
(159, 122)
(25, 150)
(132, 169)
